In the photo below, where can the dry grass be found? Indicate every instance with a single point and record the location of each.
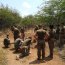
(61, 52)
(3, 60)
(62, 55)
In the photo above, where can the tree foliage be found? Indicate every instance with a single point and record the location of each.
(8, 17)
(53, 11)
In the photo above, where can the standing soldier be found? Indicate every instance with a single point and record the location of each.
(57, 34)
(57, 31)
(51, 41)
(62, 35)
(22, 33)
(15, 32)
(40, 34)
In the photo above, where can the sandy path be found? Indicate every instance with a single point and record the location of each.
(31, 59)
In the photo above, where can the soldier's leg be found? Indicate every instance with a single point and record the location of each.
(43, 51)
(39, 52)
(51, 47)
(51, 52)
(61, 44)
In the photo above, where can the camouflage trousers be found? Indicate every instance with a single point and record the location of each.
(51, 47)
(41, 49)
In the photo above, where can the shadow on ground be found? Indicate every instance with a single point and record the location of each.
(41, 61)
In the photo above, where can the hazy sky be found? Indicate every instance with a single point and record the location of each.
(24, 7)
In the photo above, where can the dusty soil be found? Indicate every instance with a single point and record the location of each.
(31, 59)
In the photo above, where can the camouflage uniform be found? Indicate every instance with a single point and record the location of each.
(17, 44)
(57, 32)
(16, 33)
(40, 43)
(25, 47)
(51, 41)
(62, 37)
(22, 34)
(7, 41)
(57, 35)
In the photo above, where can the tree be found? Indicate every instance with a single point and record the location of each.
(8, 17)
(53, 11)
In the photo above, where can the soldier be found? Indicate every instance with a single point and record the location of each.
(7, 41)
(62, 35)
(57, 35)
(12, 28)
(51, 41)
(15, 32)
(22, 33)
(17, 44)
(25, 48)
(57, 31)
(40, 34)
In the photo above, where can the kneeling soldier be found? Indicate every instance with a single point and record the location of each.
(6, 41)
(17, 44)
(25, 48)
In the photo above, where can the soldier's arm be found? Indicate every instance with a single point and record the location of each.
(46, 36)
(36, 36)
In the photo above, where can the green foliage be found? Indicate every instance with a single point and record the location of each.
(29, 21)
(53, 12)
(8, 17)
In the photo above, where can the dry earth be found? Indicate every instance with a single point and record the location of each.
(31, 59)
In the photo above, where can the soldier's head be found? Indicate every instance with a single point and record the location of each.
(40, 26)
(7, 35)
(22, 29)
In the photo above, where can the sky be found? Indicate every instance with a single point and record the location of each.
(24, 7)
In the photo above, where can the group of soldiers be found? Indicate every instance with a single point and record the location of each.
(20, 44)
(16, 32)
(42, 35)
(54, 36)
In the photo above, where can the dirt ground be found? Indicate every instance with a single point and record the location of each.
(31, 59)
